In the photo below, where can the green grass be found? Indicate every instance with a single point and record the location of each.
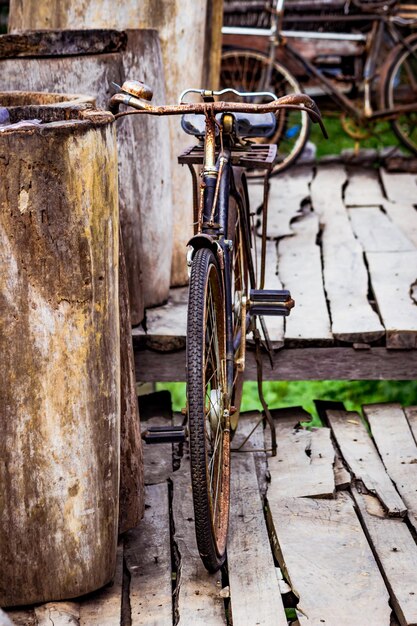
(303, 393)
(382, 137)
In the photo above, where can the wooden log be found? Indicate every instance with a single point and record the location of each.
(398, 451)
(213, 44)
(148, 559)
(295, 364)
(60, 397)
(329, 562)
(131, 499)
(396, 552)
(361, 456)
(144, 155)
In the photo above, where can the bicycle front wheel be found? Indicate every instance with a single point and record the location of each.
(246, 70)
(208, 408)
(400, 88)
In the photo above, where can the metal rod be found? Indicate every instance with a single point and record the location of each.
(291, 34)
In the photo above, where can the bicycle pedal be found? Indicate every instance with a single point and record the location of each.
(270, 302)
(164, 434)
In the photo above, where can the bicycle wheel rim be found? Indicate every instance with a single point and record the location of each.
(248, 71)
(208, 409)
(401, 89)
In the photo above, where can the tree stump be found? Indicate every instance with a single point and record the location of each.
(89, 61)
(60, 346)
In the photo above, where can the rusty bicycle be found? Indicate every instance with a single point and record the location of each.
(226, 297)
(378, 84)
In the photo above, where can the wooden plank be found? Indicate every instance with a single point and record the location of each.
(104, 607)
(58, 614)
(21, 617)
(300, 270)
(303, 465)
(376, 231)
(345, 273)
(342, 478)
(360, 454)
(62, 42)
(329, 562)
(411, 415)
(155, 410)
(249, 421)
(287, 193)
(198, 592)
(295, 364)
(396, 552)
(254, 588)
(166, 326)
(274, 324)
(147, 550)
(401, 198)
(392, 276)
(363, 188)
(398, 450)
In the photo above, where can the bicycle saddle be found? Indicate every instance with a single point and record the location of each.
(248, 125)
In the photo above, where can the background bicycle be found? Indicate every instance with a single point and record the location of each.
(346, 69)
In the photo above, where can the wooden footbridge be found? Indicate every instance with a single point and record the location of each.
(323, 533)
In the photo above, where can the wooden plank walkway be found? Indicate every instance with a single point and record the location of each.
(341, 552)
(344, 241)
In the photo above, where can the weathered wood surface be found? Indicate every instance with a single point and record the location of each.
(61, 42)
(254, 588)
(393, 276)
(304, 462)
(198, 598)
(376, 232)
(60, 333)
(398, 450)
(411, 414)
(250, 437)
(58, 613)
(275, 324)
(363, 460)
(294, 364)
(396, 552)
(144, 159)
(147, 551)
(156, 411)
(323, 548)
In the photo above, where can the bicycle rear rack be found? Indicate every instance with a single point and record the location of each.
(256, 156)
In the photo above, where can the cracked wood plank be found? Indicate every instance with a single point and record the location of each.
(377, 232)
(254, 588)
(360, 454)
(345, 272)
(393, 276)
(58, 614)
(398, 450)
(303, 465)
(400, 203)
(249, 421)
(411, 415)
(155, 410)
(286, 196)
(198, 592)
(104, 607)
(274, 323)
(300, 270)
(329, 563)
(396, 552)
(147, 550)
(363, 188)
(342, 478)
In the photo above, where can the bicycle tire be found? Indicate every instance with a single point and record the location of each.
(208, 408)
(246, 70)
(397, 90)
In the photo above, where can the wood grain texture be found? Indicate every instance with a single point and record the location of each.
(147, 551)
(363, 188)
(411, 415)
(323, 548)
(361, 456)
(345, 273)
(104, 608)
(131, 495)
(59, 438)
(376, 232)
(393, 276)
(254, 589)
(295, 364)
(166, 326)
(304, 462)
(300, 271)
(396, 552)
(342, 477)
(198, 592)
(36, 43)
(398, 450)
(401, 192)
